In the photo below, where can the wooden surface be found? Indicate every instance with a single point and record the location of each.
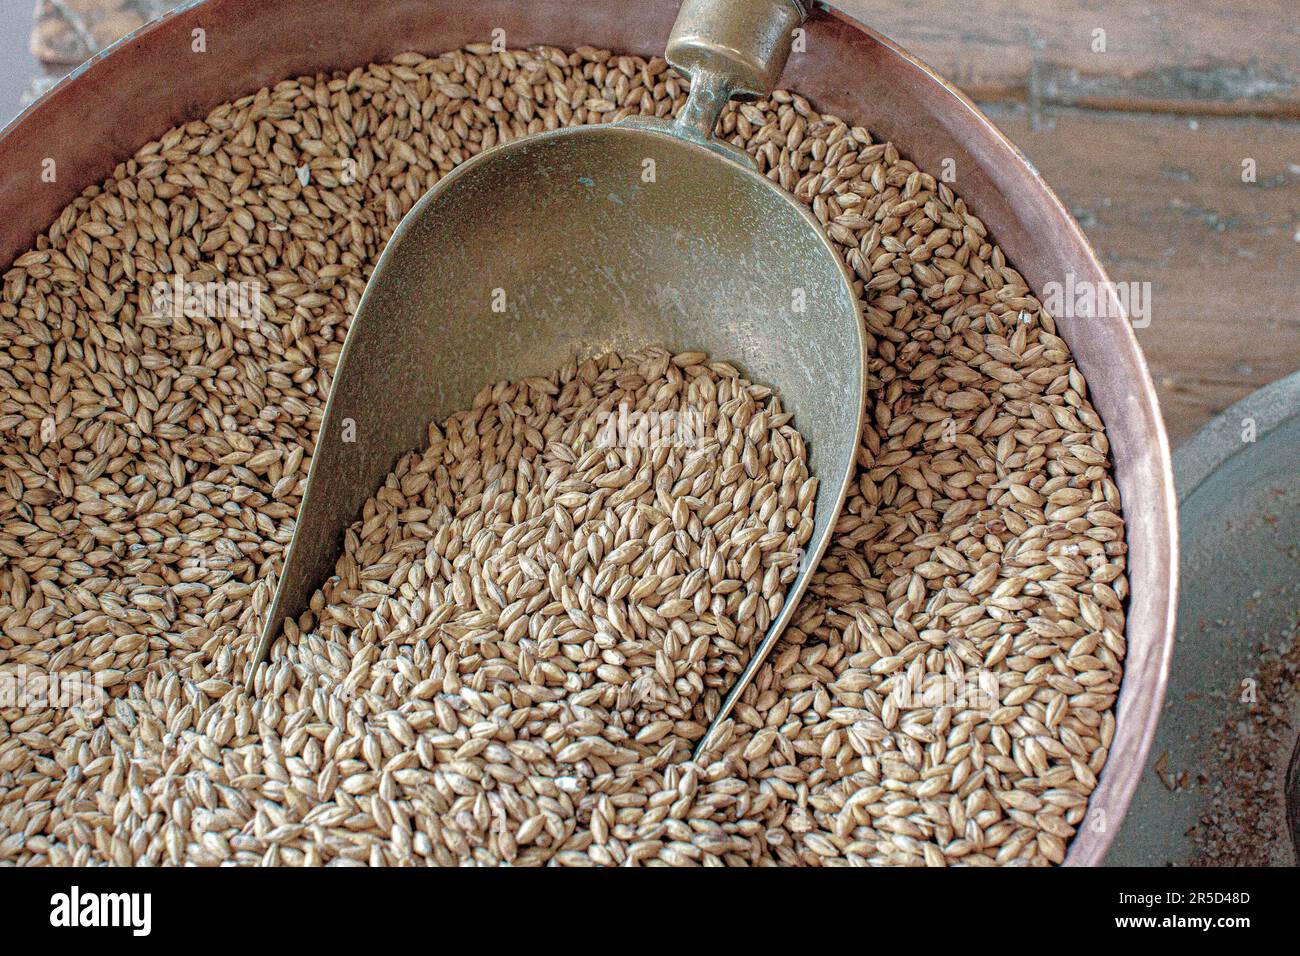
(1197, 57)
(1144, 142)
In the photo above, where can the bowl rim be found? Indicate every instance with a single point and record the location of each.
(1118, 781)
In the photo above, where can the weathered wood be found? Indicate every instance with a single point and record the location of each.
(1202, 57)
(1198, 57)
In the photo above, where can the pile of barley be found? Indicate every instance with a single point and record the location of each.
(151, 467)
(542, 615)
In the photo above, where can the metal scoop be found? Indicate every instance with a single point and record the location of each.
(586, 240)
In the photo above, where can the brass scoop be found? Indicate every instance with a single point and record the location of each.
(504, 270)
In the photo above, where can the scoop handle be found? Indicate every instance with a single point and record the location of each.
(729, 48)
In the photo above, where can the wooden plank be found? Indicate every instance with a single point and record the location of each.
(1163, 201)
(68, 31)
(1202, 57)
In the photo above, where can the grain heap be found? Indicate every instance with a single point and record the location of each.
(151, 464)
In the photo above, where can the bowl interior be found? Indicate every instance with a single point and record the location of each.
(108, 108)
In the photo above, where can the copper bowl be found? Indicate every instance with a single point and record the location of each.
(151, 81)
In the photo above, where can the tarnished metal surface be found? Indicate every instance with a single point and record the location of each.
(1293, 800)
(729, 48)
(747, 41)
(593, 239)
(150, 81)
(1239, 502)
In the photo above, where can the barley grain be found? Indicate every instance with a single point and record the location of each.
(152, 467)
